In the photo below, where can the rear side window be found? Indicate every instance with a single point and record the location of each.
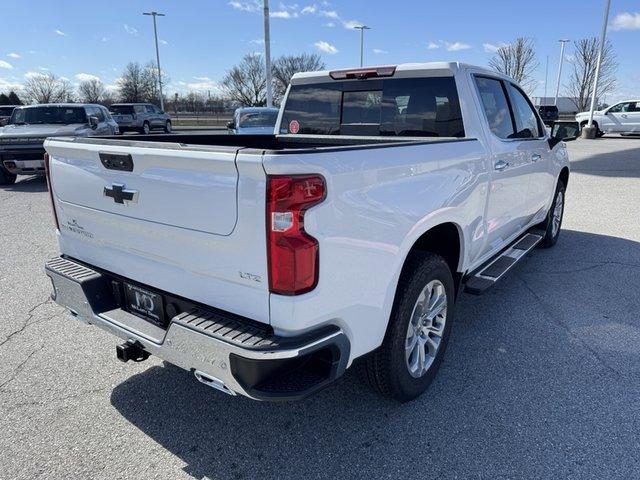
(122, 109)
(496, 107)
(526, 120)
(425, 107)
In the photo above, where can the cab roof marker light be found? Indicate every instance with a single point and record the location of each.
(362, 73)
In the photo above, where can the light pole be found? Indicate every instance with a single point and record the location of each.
(362, 28)
(267, 54)
(546, 77)
(155, 14)
(562, 42)
(603, 38)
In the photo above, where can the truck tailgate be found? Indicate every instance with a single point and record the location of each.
(173, 222)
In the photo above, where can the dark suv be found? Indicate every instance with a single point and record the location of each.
(141, 117)
(549, 113)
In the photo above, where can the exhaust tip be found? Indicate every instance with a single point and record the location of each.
(213, 382)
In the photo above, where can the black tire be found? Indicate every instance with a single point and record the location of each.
(168, 128)
(7, 178)
(146, 128)
(550, 236)
(386, 369)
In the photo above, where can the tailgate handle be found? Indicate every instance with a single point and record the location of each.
(117, 161)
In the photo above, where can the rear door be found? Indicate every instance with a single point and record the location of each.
(620, 118)
(508, 207)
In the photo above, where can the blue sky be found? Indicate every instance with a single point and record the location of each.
(201, 39)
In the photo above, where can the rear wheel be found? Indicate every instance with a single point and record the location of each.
(553, 222)
(146, 129)
(418, 332)
(167, 126)
(7, 178)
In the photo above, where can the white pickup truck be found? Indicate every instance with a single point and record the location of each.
(267, 264)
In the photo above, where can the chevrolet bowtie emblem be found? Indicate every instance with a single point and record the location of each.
(120, 195)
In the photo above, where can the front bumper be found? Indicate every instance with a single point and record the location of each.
(225, 351)
(23, 161)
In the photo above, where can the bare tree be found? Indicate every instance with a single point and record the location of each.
(246, 82)
(48, 88)
(139, 83)
(518, 61)
(286, 66)
(91, 91)
(580, 83)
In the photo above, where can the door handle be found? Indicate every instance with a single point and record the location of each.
(535, 157)
(624, 115)
(500, 165)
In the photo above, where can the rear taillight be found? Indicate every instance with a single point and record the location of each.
(47, 169)
(292, 252)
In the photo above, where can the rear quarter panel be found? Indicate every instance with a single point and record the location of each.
(379, 202)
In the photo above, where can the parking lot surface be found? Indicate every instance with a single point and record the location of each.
(541, 377)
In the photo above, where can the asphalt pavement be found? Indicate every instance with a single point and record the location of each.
(541, 378)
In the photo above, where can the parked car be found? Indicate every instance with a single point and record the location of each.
(267, 265)
(253, 121)
(140, 117)
(5, 113)
(548, 113)
(622, 118)
(21, 140)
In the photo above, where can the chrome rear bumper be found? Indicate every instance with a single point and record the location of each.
(226, 351)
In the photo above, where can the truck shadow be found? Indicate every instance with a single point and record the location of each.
(33, 184)
(528, 369)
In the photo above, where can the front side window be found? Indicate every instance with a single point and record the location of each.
(524, 114)
(425, 107)
(621, 107)
(496, 107)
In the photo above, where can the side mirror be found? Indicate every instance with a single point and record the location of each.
(564, 132)
(93, 121)
(231, 125)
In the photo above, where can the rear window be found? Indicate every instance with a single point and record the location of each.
(122, 109)
(257, 119)
(6, 111)
(421, 107)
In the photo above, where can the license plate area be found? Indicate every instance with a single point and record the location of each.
(145, 304)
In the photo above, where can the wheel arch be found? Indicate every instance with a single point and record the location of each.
(564, 176)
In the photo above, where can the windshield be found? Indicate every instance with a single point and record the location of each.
(48, 115)
(425, 107)
(121, 109)
(258, 119)
(6, 111)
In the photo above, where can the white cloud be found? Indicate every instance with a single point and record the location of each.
(202, 83)
(258, 41)
(326, 47)
(456, 46)
(60, 32)
(32, 74)
(202, 79)
(130, 30)
(351, 24)
(329, 24)
(379, 51)
(246, 6)
(44, 69)
(6, 65)
(8, 85)
(163, 42)
(104, 39)
(329, 14)
(286, 14)
(433, 46)
(626, 21)
(32, 52)
(309, 9)
(13, 55)
(490, 47)
(85, 77)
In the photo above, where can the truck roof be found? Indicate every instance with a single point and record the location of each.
(62, 105)
(401, 70)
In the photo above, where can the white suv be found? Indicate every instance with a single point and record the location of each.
(622, 118)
